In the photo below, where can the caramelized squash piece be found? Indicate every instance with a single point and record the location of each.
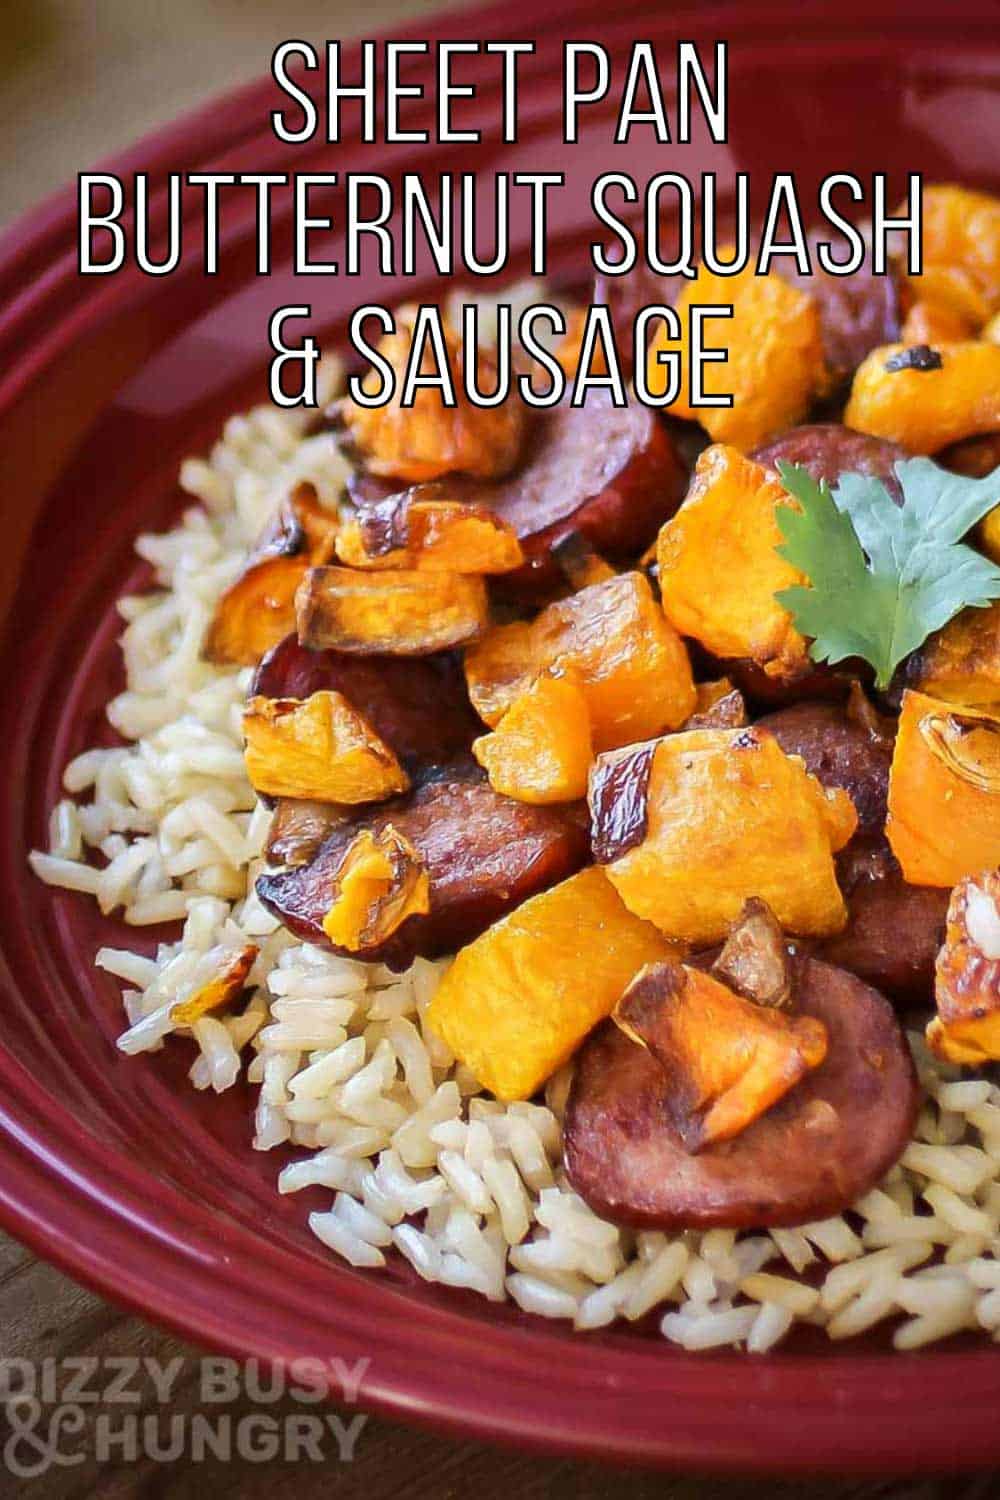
(718, 568)
(754, 960)
(632, 665)
(403, 613)
(907, 396)
(436, 534)
(728, 1059)
(256, 611)
(966, 1028)
(944, 791)
(961, 663)
(729, 815)
(961, 250)
(517, 1002)
(225, 985)
(929, 322)
(381, 881)
(542, 748)
(318, 747)
(775, 363)
(428, 439)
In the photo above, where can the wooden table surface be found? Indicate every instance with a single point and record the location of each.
(78, 78)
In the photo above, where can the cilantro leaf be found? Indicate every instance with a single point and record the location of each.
(883, 577)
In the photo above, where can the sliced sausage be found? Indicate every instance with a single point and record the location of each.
(840, 752)
(484, 854)
(608, 473)
(974, 456)
(816, 680)
(419, 707)
(829, 1140)
(857, 314)
(894, 930)
(828, 449)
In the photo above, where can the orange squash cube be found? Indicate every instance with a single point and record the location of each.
(381, 881)
(728, 1060)
(518, 1001)
(944, 791)
(318, 747)
(966, 1029)
(718, 568)
(930, 322)
(428, 439)
(961, 663)
(403, 612)
(632, 665)
(961, 250)
(258, 610)
(542, 748)
(926, 409)
(439, 535)
(725, 815)
(775, 363)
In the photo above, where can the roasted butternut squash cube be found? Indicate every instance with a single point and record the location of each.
(961, 663)
(232, 968)
(400, 613)
(992, 330)
(966, 1028)
(944, 791)
(381, 881)
(428, 439)
(632, 665)
(727, 1059)
(436, 534)
(961, 250)
(900, 394)
(542, 748)
(318, 747)
(718, 568)
(774, 364)
(929, 322)
(728, 815)
(517, 1002)
(258, 610)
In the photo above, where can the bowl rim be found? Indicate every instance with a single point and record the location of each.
(787, 1413)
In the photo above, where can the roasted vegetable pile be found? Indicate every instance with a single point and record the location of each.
(685, 740)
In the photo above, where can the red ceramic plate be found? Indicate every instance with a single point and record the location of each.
(116, 1169)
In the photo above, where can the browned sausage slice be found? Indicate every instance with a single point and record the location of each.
(893, 931)
(609, 473)
(974, 456)
(840, 752)
(419, 707)
(828, 449)
(829, 1140)
(484, 853)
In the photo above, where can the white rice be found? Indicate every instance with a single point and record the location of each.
(418, 1161)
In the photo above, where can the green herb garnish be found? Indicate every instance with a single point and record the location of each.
(883, 577)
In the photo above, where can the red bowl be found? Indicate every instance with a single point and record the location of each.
(115, 1168)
